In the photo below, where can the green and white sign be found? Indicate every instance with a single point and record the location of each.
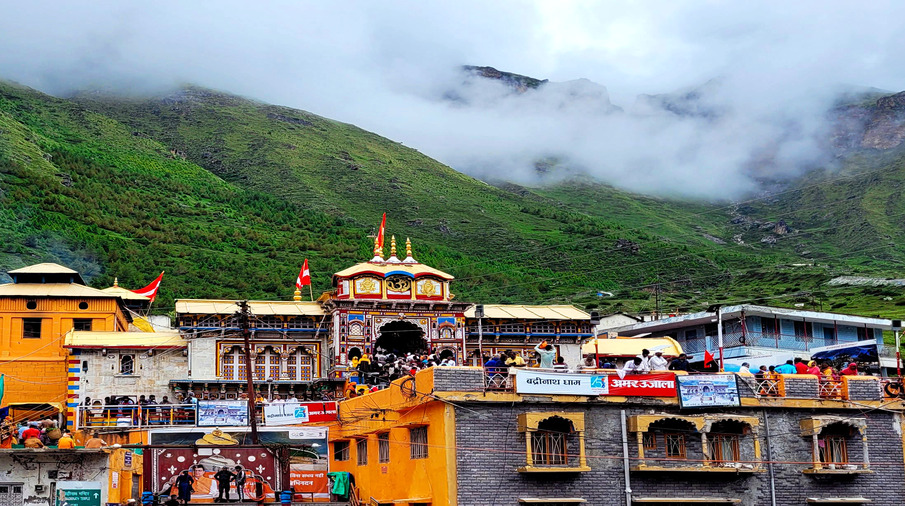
(78, 493)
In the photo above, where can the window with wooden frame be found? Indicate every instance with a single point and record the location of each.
(361, 451)
(82, 324)
(649, 440)
(549, 442)
(555, 442)
(383, 447)
(31, 328)
(341, 451)
(724, 447)
(675, 445)
(418, 442)
(832, 449)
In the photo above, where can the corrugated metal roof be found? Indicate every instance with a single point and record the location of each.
(88, 339)
(125, 294)
(47, 268)
(384, 268)
(52, 290)
(257, 307)
(631, 347)
(548, 312)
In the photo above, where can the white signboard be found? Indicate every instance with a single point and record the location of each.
(285, 413)
(531, 382)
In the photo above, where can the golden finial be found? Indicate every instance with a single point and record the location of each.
(408, 247)
(393, 246)
(115, 281)
(377, 252)
(298, 295)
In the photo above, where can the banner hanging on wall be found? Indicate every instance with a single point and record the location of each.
(637, 385)
(706, 390)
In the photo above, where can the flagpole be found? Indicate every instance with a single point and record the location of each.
(311, 292)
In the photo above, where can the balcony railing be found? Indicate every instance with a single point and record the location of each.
(760, 339)
(117, 415)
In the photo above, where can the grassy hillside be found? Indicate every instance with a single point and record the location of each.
(229, 196)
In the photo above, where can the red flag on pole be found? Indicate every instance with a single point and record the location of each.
(150, 291)
(383, 224)
(708, 358)
(304, 276)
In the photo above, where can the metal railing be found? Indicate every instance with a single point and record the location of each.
(131, 415)
(760, 339)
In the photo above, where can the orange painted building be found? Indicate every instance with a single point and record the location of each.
(374, 442)
(42, 304)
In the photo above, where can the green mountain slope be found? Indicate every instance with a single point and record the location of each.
(229, 196)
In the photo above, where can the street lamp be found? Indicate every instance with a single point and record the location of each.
(718, 309)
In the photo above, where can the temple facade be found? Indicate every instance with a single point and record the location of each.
(394, 305)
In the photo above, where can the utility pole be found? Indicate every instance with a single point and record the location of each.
(249, 372)
(657, 298)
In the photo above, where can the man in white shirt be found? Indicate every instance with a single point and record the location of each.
(657, 362)
(633, 366)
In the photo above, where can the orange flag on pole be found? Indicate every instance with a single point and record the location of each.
(383, 224)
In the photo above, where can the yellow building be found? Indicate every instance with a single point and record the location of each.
(42, 304)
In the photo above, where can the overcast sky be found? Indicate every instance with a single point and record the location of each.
(386, 67)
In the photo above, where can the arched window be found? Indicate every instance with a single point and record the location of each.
(300, 366)
(549, 442)
(232, 364)
(724, 438)
(832, 445)
(447, 333)
(356, 329)
(267, 364)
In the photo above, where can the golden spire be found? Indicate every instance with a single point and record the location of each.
(408, 252)
(393, 246)
(115, 281)
(298, 295)
(378, 252)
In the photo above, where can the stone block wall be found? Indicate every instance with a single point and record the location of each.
(458, 379)
(492, 449)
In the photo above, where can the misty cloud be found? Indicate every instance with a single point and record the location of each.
(762, 76)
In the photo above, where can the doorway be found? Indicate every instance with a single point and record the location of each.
(401, 337)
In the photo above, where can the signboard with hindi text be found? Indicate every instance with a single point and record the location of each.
(294, 413)
(632, 385)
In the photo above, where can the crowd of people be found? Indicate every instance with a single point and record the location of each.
(41, 434)
(387, 366)
(546, 358)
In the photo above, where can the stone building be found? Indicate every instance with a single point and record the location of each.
(42, 304)
(108, 365)
(48, 477)
(786, 441)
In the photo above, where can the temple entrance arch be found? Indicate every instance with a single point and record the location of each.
(401, 337)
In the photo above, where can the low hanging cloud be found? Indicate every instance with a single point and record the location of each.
(748, 86)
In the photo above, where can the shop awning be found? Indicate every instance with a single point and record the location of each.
(630, 347)
(858, 351)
